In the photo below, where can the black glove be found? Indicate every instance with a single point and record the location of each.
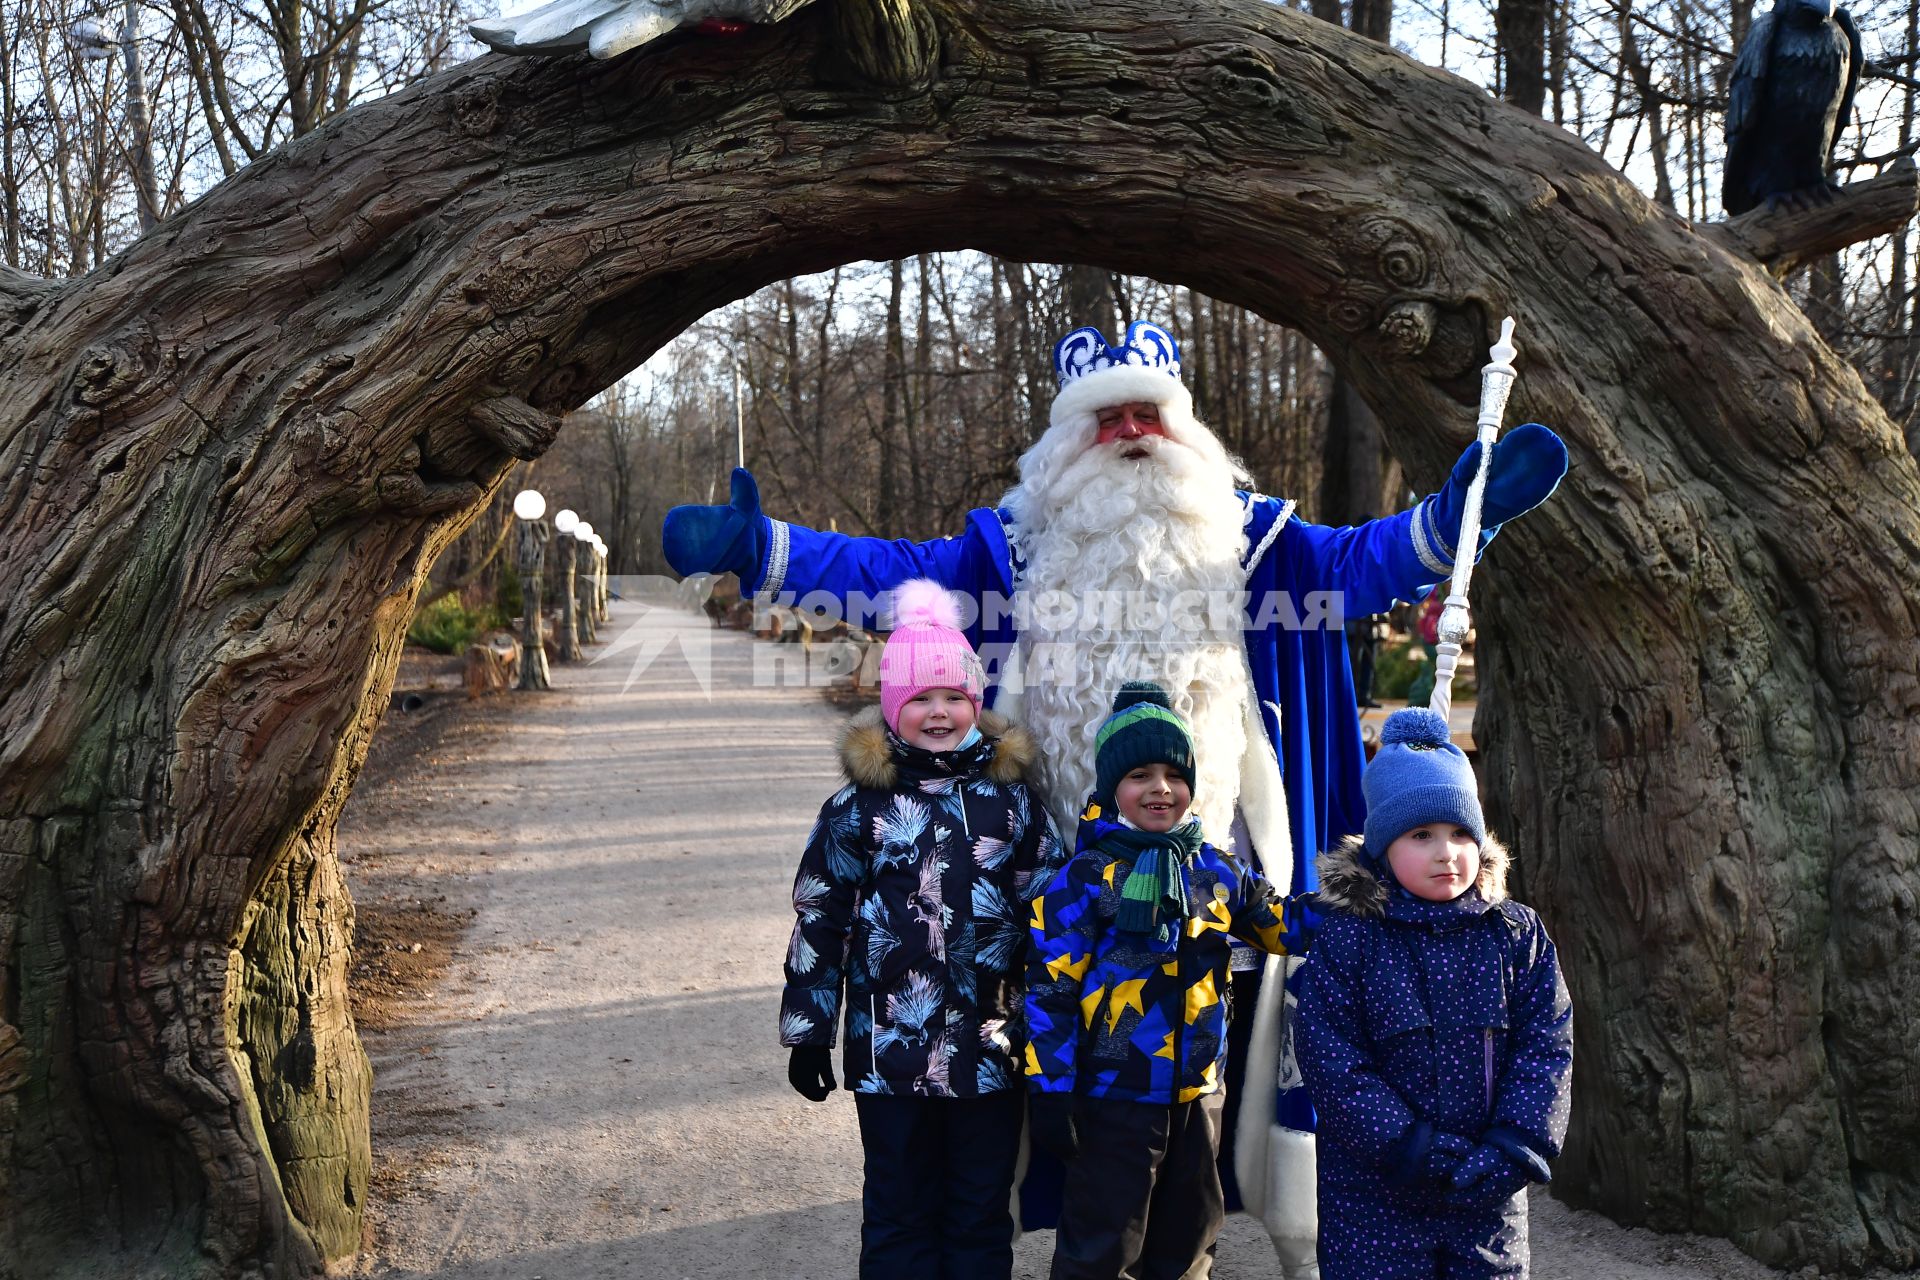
(810, 1071)
(1052, 1122)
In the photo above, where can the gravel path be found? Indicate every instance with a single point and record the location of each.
(591, 1087)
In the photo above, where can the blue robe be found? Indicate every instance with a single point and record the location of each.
(1300, 674)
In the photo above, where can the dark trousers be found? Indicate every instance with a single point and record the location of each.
(1143, 1196)
(939, 1183)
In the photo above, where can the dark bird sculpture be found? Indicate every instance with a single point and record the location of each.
(1790, 98)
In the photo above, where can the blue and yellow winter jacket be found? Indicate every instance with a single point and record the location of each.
(1132, 1016)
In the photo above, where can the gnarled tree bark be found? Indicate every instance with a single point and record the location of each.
(229, 456)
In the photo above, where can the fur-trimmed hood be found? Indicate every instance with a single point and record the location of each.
(1348, 884)
(867, 756)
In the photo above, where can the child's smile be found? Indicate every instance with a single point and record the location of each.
(1153, 797)
(936, 719)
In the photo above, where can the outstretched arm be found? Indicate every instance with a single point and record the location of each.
(1400, 557)
(1278, 926)
(772, 555)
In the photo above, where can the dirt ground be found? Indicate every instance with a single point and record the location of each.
(572, 911)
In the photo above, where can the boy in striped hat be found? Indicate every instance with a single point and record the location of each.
(1126, 1020)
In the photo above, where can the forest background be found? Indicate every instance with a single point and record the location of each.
(891, 397)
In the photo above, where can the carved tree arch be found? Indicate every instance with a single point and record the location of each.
(230, 454)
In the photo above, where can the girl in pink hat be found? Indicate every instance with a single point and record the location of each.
(912, 898)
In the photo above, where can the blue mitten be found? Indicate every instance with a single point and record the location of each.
(1428, 1157)
(729, 539)
(1528, 463)
(1498, 1169)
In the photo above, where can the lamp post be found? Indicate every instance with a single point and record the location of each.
(529, 506)
(95, 45)
(564, 526)
(600, 577)
(589, 616)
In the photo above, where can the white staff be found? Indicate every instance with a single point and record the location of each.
(1496, 380)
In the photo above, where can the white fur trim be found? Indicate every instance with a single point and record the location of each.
(1121, 384)
(1251, 1128)
(1263, 798)
(1013, 683)
(1277, 1168)
(1292, 1216)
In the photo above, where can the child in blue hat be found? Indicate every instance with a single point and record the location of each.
(1434, 1033)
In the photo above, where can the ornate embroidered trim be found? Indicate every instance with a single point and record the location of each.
(779, 546)
(1425, 538)
(1447, 550)
(1273, 532)
(1016, 558)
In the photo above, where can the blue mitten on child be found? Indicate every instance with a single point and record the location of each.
(1429, 1157)
(1501, 1166)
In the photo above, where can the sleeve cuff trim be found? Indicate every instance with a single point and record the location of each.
(1427, 543)
(779, 546)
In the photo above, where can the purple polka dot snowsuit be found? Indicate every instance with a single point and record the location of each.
(1431, 1035)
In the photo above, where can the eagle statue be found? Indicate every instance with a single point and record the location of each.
(608, 28)
(1790, 98)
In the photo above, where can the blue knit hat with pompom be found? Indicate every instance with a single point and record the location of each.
(1418, 776)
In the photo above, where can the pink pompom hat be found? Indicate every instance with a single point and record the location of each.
(926, 650)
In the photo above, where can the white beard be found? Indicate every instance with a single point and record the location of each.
(1094, 524)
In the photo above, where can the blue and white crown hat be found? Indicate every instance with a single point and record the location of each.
(1092, 374)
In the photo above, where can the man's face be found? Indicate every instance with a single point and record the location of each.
(1130, 421)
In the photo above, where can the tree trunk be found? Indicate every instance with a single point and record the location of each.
(1090, 299)
(1354, 473)
(1372, 19)
(1522, 29)
(229, 459)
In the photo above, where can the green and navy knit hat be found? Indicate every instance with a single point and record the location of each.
(1142, 729)
(1418, 776)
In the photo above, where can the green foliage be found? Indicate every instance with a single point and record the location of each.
(508, 599)
(1403, 671)
(448, 626)
(1396, 664)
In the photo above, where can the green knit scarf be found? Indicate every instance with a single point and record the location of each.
(1154, 895)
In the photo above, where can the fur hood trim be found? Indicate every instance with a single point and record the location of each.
(1349, 885)
(868, 759)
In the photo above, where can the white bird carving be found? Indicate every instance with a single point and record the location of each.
(608, 28)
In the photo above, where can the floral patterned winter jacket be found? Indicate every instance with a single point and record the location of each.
(912, 902)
